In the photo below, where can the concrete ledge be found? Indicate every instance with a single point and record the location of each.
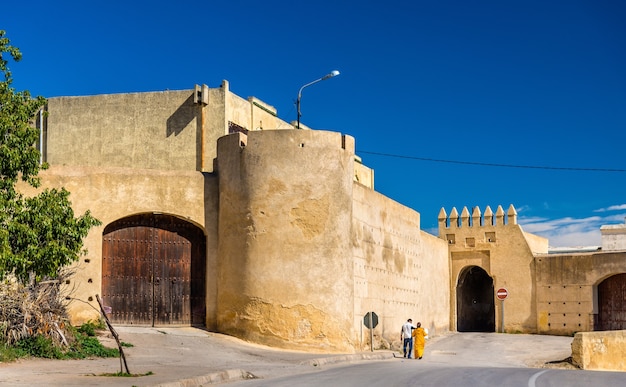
(348, 358)
(213, 378)
(605, 350)
(239, 374)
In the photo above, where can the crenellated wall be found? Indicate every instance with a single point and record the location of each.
(498, 245)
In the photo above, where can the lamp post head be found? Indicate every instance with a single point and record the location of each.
(333, 73)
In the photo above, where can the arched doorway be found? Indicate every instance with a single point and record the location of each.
(153, 271)
(611, 304)
(474, 301)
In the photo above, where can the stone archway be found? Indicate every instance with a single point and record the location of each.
(475, 301)
(611, 304)
(153, 271)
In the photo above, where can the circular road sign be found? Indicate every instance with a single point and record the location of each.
(367, 317)
(502, 293)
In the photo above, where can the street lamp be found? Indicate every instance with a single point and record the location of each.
(333, 73)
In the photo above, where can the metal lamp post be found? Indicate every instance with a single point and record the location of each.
(333, 73)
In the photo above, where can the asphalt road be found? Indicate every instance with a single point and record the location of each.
(193, 357)
(409, 373)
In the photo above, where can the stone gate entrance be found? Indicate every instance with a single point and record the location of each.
(475, 301)
(153, 271)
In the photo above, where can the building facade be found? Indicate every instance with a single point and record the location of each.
(546, 293)
(216, 213)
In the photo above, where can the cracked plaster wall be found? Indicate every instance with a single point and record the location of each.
(285, 272)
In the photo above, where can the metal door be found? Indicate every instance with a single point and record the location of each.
(612, 304)
(153, 270)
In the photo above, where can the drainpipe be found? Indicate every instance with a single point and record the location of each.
(201, 98)
(202, 120)
(40, 136)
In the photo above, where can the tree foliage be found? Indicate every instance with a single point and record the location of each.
(38, 235)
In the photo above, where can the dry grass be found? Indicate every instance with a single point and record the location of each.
(39, 309)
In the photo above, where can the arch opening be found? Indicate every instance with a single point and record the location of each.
(154, 270)
(611, 304)
(475, 301)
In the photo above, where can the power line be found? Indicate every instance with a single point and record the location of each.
(494, 164)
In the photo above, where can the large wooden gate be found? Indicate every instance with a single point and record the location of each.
(611, 304)
(153, 271)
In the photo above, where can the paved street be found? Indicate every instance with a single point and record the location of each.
(188, 356)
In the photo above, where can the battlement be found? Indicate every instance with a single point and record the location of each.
(477, 219)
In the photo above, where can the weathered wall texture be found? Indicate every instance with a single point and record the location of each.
(567, 289)
(167, 130)
(400, 272)
(613, 237)
(285, 210)
(114, 193)
(363, 174)
(600, 350)
(498, 245)
(299, 246)
(136, 130)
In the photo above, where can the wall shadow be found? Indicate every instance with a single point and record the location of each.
(182, 117)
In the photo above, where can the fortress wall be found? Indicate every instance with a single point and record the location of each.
(363, 174)
(400, 272)
(566, 289)
(114, 193)
(156, 130)
(167, 130)
(285, 273)
(497, 244)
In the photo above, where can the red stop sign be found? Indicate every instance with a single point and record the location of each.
(502, 293)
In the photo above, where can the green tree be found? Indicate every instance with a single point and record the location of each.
(38, 235)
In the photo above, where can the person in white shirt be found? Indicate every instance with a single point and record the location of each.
(407, 338)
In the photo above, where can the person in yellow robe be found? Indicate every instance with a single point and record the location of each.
(419, 335)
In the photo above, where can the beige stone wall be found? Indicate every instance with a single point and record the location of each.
(164, 130)
(254, 114)
(285, 210)
(497, 244)
(567, 289)
(613, 237)
(363, 174)
(604, 351)
(136, 130)
(114, 193)
(400, 272)
(168, 130)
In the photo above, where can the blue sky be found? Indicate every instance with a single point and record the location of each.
(452, 90)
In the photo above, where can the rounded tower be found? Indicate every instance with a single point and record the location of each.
(285, 253)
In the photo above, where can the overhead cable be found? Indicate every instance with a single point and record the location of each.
(494, 164)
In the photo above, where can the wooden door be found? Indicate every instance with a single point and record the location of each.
(612, 304)
(153, 270)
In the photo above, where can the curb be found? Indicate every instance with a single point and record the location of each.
(239, 374)
(212, 378)
(348, 358)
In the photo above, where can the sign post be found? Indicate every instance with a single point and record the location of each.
(502, 294)
(371, 320)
